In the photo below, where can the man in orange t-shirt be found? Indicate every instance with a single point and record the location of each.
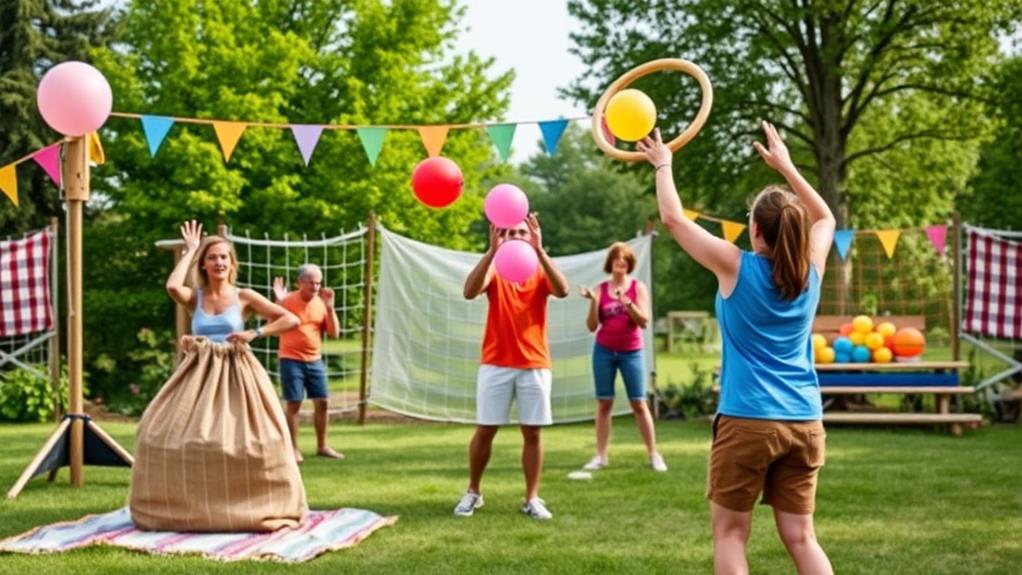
(515, 363)
(300, 352)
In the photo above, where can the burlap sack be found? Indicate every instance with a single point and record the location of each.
(213, 452)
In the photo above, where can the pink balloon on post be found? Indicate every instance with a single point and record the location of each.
(506, 206)
(516, 260)
(74, 98)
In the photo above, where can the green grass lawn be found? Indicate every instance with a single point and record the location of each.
(890, 501)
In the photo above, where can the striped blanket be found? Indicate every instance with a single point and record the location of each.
(321, 532)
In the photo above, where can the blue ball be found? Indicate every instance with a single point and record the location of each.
(843, 345)
(842, 358)
(861, 354)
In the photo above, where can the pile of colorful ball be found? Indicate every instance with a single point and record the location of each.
(862, 342)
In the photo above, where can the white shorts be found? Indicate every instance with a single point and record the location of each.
(497, 386)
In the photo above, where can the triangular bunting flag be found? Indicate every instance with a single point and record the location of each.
(306, 136)
(9, 182)
(938, 237)
(372, 141)
(552, 132)
(155, 129)
(433, 138)
(228, 134)
(48, 159)
(501, 136)
(732, 230)
(690, 214)
(843, 242)
(888, 238)
(97, 157)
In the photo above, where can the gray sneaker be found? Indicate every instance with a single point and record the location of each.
(469, 503)
(536, 508)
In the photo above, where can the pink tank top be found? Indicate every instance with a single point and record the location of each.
(617, 330)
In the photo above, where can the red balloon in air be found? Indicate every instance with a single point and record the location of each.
(437, 182)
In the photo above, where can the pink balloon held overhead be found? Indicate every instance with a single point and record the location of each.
(516, 260)
(74, 98)
(506, 206)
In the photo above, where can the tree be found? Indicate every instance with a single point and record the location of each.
(993, 199)
(359, 62)
(34, 35)
(821, 69)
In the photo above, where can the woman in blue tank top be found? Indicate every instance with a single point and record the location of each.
(768, 435)
(213, 451)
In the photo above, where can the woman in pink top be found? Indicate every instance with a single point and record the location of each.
(619, 307)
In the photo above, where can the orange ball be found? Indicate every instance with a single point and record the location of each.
(908, 342)
(845, 329)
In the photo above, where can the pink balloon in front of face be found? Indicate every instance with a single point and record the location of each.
(515, 260)
(506, 206)
(74, 98)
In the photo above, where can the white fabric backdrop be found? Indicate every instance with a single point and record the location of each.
(428, 339)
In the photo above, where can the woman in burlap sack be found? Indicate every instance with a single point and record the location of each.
(213, 452)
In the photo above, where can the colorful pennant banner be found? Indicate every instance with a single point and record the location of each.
(433, 137)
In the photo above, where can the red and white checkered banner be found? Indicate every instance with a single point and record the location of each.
(25, 285)
(994, 302)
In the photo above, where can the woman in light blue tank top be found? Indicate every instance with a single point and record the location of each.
(216, 426)
(768, 435)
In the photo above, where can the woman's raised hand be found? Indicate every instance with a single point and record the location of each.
(775, 153)
(191, 233)
(656, 151)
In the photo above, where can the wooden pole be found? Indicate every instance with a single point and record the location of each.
(76, 192)
(367, 316)
(956, 267)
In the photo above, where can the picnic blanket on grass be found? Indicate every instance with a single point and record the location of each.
(321, 531)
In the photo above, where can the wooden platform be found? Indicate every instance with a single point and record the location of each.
(902, 418)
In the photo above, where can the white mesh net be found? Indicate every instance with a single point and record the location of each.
(428, 338)
(342, 259)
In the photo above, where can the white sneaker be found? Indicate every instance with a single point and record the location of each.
(595, 464)
(657, 463)
(469, 503)
(536, 508)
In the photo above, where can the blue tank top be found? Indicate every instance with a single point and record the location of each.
(217, 326)
(767, 370)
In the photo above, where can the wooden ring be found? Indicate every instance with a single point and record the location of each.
(634, 74)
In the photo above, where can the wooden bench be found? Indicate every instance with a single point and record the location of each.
(939, 378)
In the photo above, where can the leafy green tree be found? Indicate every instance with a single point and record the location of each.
(360, 62)
(848, 81)
(34, 35)
(993, 199)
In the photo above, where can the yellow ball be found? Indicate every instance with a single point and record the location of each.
(824, 355)
(862, 323)
(857, 337)
(630, 115)
(874, 340)
(819, 341)
(882, 355)
(886, 328)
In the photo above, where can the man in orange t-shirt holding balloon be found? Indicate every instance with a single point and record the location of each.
(302, 371)
(515, 363)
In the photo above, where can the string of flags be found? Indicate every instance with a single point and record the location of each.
(307, 136)
(936, 234)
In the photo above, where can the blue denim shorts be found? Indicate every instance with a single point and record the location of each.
(631, 364)
(299, 377)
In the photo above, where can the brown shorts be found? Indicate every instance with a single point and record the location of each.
(780, 458)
